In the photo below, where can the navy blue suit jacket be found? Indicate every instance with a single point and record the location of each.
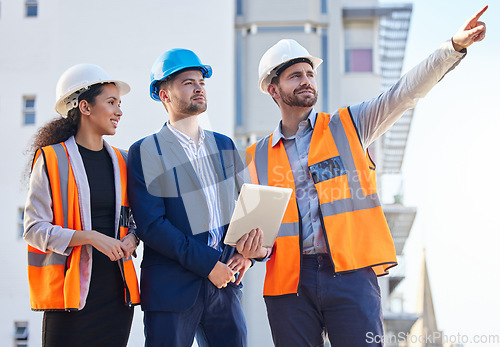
(172, 217)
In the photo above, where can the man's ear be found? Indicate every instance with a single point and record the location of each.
(164, 96)
(272, 89)
(84, 107)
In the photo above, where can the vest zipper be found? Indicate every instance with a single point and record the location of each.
(128, 301)
(301, 247)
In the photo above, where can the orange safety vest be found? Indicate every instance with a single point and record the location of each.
(354, 225)
(54, 279)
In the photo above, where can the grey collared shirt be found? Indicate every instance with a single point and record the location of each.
(372, 118)
(297, 150)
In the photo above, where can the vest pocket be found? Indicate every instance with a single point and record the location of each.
(327, 169)
(330, 178)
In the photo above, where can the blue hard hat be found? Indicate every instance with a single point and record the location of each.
(173, 61)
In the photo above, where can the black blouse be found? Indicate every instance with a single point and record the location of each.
(106, 279)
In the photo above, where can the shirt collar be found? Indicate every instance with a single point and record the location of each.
(184, 138)
(278, 135)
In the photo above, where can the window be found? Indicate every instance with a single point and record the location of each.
(358, 60)
(29, 110)
(324, 68)
(31, 8)
(21, 334)
(359, 40)
(20, 221)
(239, 7)
(324, 6)
(239, 77)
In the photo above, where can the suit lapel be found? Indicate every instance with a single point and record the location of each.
(178, 156)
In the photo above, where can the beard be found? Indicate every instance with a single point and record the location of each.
(195, 109)
(298, 100)
(191, 108)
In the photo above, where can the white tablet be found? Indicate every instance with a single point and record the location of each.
(258, 207)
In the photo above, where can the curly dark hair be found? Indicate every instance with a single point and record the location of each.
(60, 129)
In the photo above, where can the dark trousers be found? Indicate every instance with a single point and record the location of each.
(216, 318)
(346, 307)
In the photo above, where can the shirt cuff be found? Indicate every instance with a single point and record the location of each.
(267, 257)
(448, 45)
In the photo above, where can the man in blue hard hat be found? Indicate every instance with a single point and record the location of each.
(182, 183)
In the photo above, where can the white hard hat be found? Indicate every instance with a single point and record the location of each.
(78, 78)
(281, 53)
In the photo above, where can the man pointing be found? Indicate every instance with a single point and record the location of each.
(334, 240)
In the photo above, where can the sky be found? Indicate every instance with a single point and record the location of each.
(451, 173)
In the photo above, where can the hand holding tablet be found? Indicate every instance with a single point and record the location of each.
(258, 207)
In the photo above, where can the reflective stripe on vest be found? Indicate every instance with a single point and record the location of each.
(54, 279)
(356, 230)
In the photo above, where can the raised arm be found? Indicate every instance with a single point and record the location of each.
(374, 117)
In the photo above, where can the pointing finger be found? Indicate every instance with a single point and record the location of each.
(471, 23)
(480, 13)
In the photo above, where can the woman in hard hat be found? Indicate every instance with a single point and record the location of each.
(77, 220)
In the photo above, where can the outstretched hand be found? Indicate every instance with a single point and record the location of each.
(472, 31)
